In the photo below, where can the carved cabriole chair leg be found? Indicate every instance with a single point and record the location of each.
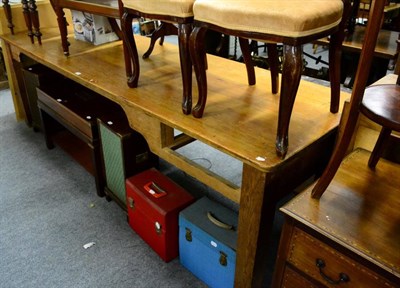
(198, 54)
(184, 31)
(291, 74)
(272, 50)
(129, 42)
(245, 47)
(163, 30)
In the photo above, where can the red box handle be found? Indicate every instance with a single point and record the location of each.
(155, 190)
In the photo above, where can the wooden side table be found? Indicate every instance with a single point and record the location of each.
(350, 236)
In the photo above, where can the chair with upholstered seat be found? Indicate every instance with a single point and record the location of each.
(291, 22)
(380, 103)
(178, 12)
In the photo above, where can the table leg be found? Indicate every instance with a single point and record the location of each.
(35, 20)
(256, 217)
(7, 11)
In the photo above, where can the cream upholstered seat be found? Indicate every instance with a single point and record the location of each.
(178, 12)
(291, 22)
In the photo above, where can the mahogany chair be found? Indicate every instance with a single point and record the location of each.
(172, 12)
(273, 21)
(379, 103)
(167, 11)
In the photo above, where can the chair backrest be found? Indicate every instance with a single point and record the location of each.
(364, 65)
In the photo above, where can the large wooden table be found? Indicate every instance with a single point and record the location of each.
(240, 121)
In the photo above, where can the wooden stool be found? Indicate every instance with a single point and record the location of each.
(168, 11)
(31, 17)
(381, 104)
(273, 21)
(385, 111)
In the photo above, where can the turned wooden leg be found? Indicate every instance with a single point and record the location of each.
(272, 50)
(27, 17)
(198, 54)
(130, 46)
(379, 147)
(35, 20)
(62, 26)
(163, 30)
(184, 31)
(7, 12)
(291, 73)
(246, 52)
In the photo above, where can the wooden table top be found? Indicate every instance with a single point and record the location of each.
(239, 120)
(359, 210)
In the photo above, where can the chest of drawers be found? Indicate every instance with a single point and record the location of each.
(348, 238)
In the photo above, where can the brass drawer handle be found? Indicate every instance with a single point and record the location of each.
(343, 277)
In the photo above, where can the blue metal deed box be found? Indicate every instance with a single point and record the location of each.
(207, 242)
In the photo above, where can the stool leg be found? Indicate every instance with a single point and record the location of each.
(198, 54)
(7, 12)
(291, 73)
(246, 52)
(35, 20)
(62, 26)
(129, 43)
(163, 30)
(184, 31)
(379, 147)
(272, 50)
(27, 17)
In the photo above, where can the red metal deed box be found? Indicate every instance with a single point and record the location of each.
(153, 203)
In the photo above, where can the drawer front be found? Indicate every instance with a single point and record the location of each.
(305, 250)
(292, 279)
(66, 114)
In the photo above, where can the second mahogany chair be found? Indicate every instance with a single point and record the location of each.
(380, 103)
(179, 12)
(291, 22)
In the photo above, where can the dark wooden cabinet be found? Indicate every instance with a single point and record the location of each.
(348, 237)
(72, 107)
